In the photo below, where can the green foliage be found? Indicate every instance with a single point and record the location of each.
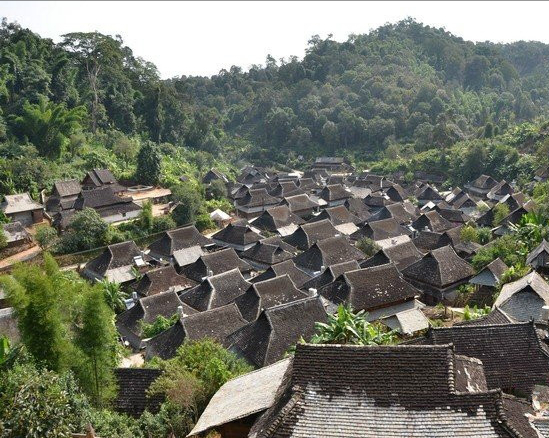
(348, 327)
(368, 246)
(217, 189)
(507, 247)
(204, 222)
(3, 239)
(146, 218)
(484, 235)
(46, 236)
(501, 211)
(149, 164)
(471, 313)
(513, 273)
(86, 230)
(469, 234)
(162, 223)
(189, 202)
(113, 295)
(160, 324)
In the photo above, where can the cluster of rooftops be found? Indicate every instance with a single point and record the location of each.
(290, 257)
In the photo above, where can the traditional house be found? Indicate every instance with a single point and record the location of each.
(308, 185)
(180, 244)
(117, 263)
(288, 267)
(501, 189)
(213, 175)
(387, 391)
(16, 235)
(254, 203)
(284, 189)
(402, 256)
(525, 298)
(308, 234)
(331, 164)
(382, 230)
(216, 324)
(431, 221)
(301, 205)
(336, 215)
(452, 215)
(428, 194)
(279, 220)
(21, 208)
(396, 193)
(539, 257)
(220, 218)
(264, 254)
(239, 237)
(357, 208)
(334, 195)
(395, 211)
(330, 274)
(327, 252)
(266, 340)
(161, 280)
(216, 263)
(63, 195)
(481, 186)
(438, 274)
(132, 397)
(266, 294)
(216, 291)
(100, 178)
(376, 202)
(486, 282)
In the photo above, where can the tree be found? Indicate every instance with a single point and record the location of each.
(48, 126)
(149, 164)
(146, 218)
(469, 234)
(217, 189)
(501, 211)
(96, 339)
(347, 327)
(160, 324)
(188, 202)
(113, 295)
(46, 236)
(368, 246)
(86, 230)
(3, 239)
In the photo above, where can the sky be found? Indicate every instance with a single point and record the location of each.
(201, 38)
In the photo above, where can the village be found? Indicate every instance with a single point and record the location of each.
(472, 351)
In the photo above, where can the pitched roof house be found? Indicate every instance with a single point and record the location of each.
(15, 234)
(174, 241)
(334, 194)
(381, 230)
(264, 254)
(336, 215)
(132, 396)
(216, 263)
(300, 205)
(213, 175)
(431, 221)
(395, 211)
(330, 274)
(239, 237)
(21, 208)
(539, 257)
(288, 267)
(358, 208)
(116, 263)
(161, 280)
(255, 202)
(308, 234)
(481, 186)
(279, 220)
(401, 255)
(97, 178)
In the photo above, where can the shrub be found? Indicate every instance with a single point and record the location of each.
(87, 230)
(46, 236)
(368, 246)
(159, 325)
(204, 222)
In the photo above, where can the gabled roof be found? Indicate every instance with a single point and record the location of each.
(453, 215)
(101, 176)
(396, 193)
(288, 267)
(286, 188)
(336, 215)
(299, 202)
(524, 299)
(276, 217)
(70, 187)
(403, 255)
(114, 256)
(267, 294)
(433, 221)
(500, 189)
(266, 253)
(215, 263)
(330, 274)
(380, 230)
(100, 197)
(440, 268)
(19, 203)
(161, 280)
(543, 247)
(391, 391)
(328, 252)
(216, 291)
(308, 234)
(180, 238)
(492, 272)
(256, 198)
(464, 202)
(393, 211)
(484, 182)
(334, 192)
(358, 208)
(15, 232)
(132, 396)
(278, 328)
(370, 288)
(428, 193)
(513, 356)
(241, 235)
(307, 184)
(496, 316)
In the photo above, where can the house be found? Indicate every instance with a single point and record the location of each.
(375, 202)
(117, 263)
(452, 215)
(288, 267)
(387, 391)
(525, 298)
(213, 175)
(327, 252)
(308, 234)
(337, 216)
(395, 211)
(438, 274)
(161, 280)
(426, 240)
(301, 205)
(21, 208)
(264, 254)
(16, 235)
(481, 186)
(132, 396)
(501, 189)
(145, 310)
(330, 274)
(382, 230)
(216, 263)
(382, 292)
(401, 255)
(514, 356)
(216, 324)
(279, 220)
(239, 237)
(396, 193)
(216, 291)
(428, 194)
(220, 218)
(486, 282)
(254, 203)
(101, 178)
(266, 294)
(239, 402)
(308, 185)
(539, 257)
(284, 189)
(334, 195)
(267, 339)
(357, 208)
(173, 243)
(431, 221)
(63, 195)
(331, 164)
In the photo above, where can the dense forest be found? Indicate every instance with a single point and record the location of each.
(401, 91)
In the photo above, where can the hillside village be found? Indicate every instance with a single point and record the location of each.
(472, 353)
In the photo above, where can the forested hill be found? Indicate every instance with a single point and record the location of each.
(399, 84)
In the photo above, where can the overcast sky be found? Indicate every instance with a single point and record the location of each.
(200, 38)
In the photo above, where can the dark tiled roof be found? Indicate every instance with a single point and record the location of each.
(330, 274)
(288, 267)
(513, 357)
(397, 193)
(267, 254)
(266, 294)
(358, 208)
(453, 215)
(216, 263)
(307, 184)
(161, 280)
(496, 316)
(133, 384)
(99, 198)
(427, 193)
(70, 187)
(308, 234)
(275, 218)
(429, 240)
(439, 268)
(299, 203)
(256, 198)
(328, 252)
(393, 211)
(370, 288)
(433, 221)
(380, 230)
(334, 192)
(237, 235)
(484, 182)
(267, 339)
(114, 256)
(336, 215)
(286, 188)
(216, 291)
(180, 238)
(403, 255)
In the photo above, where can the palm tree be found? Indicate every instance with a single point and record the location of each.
(347, 327)
(113, 295)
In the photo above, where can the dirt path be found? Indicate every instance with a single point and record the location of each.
(20, 256)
